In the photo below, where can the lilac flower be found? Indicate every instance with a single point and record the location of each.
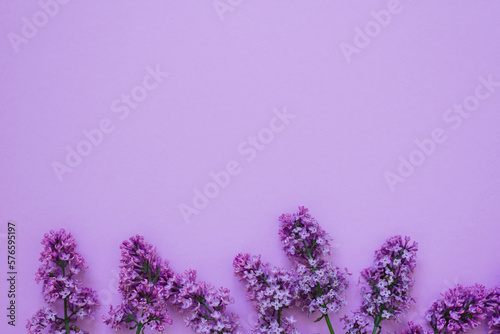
(492, 301)
(57, 273)
(267, 324)
(302, 236)
(145, 283)
(460, 309)
(270, 289)
(205, 304)
(415, 329)
(321, 286)
(494, 322)
(43, 319)
(387, 283)
(357, 324)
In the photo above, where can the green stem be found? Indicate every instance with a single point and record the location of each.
(307, 250)
(327, 319)
(279, 317)
(202, 302)
(140, 326)
(263, 279)
(378, 319)
(320, 290)
(74, 312)
(377, 323)
(66, 319)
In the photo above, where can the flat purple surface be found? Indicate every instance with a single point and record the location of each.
(392, 128)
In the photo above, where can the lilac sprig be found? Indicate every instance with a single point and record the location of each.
(356, 324)
(271, 290)
(204, 305)
(386, 284)
(321, 286)
(267, 324)
(145, 283)
(461, 309)
(302, 236)
(415, 329)
(492, 301)
(57, 273)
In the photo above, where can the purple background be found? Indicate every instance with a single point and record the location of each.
(353, 120)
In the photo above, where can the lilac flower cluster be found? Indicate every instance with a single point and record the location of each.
(269, 325)
(463, 308)
(145, 283)
(386, 291)
(358, 324)
(387, 283)
(415, 329)
(302, 237)
(206, 305)
(320, 285)
(57, 273)
(271, 290)
(148, 286)
(492, 301)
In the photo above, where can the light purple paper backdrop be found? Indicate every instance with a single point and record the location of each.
(361, 87)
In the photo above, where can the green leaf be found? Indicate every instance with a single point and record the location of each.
(129, 318)
(320, 318)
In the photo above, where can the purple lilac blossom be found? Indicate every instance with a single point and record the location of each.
(357, 324)
(204, 304)
(321, 286)
(145, 283)
(302, 237)
(271, 290)
(269, 325)
(57, 273)
(386, 284)
(415, 329)
(493, 304)
(459, 310)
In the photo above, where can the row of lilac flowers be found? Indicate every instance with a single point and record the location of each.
(150, 288)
